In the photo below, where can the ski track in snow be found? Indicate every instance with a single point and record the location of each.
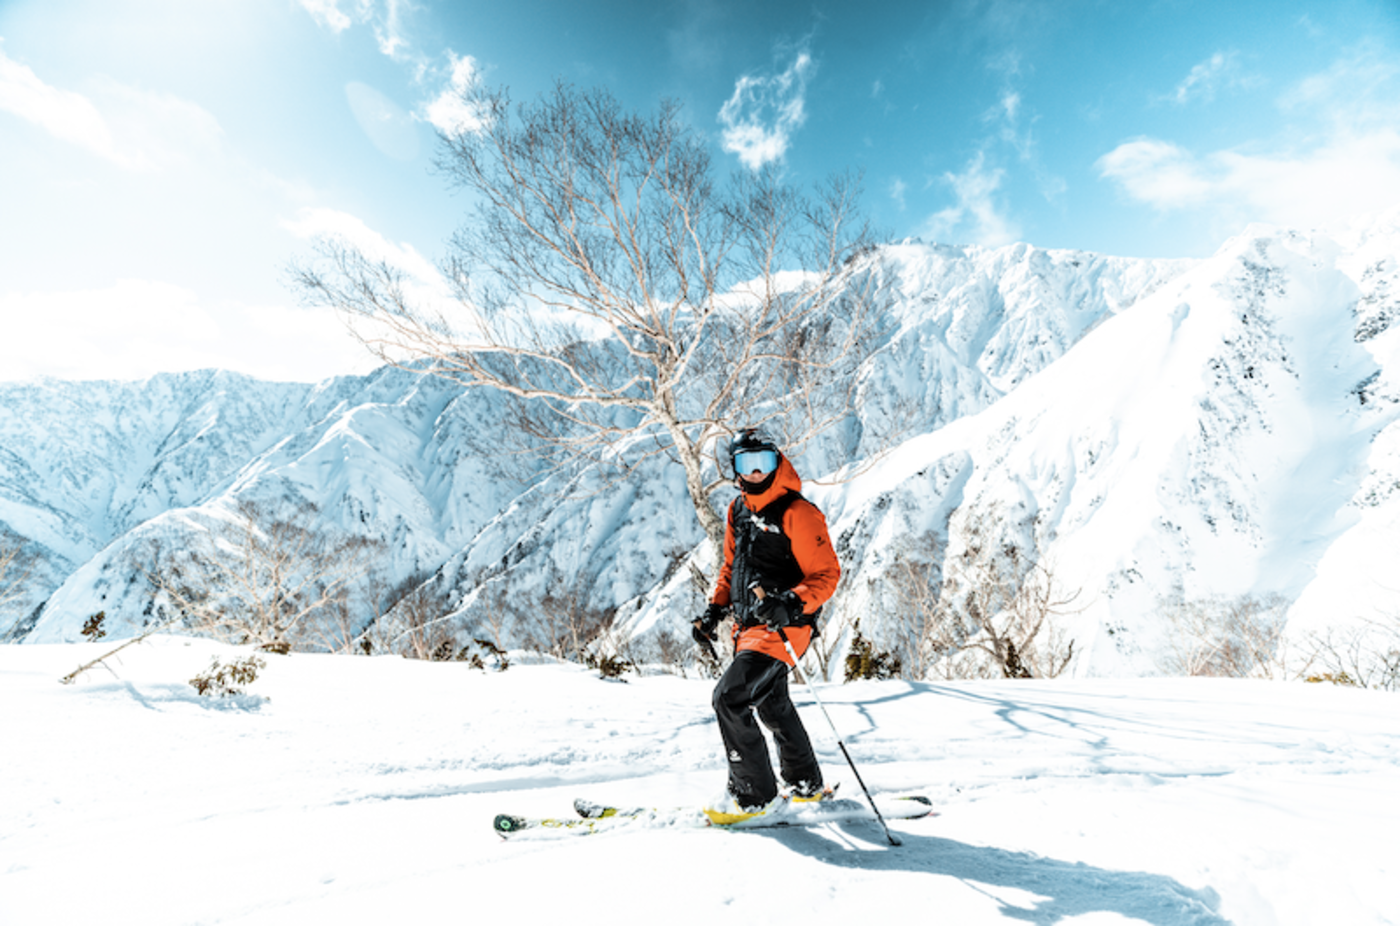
(361, 790)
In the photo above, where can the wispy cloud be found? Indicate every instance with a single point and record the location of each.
(1340, 158)
(978, 216)
(312, 223)
(450, 112)
(63, 113)
(764, 111)
(386, 17)
(424, 283)
(1157, 172)
(981, 213)
(328, 14)
(137, 328)
(898, 189)
(1207, 77)
(447, 110)
(134, 129)
(1013, 124)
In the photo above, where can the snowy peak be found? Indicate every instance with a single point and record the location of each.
(1153, 428)
(1213, 440)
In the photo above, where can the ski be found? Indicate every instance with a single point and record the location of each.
(593, 818)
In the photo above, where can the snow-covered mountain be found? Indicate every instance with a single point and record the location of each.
(1233, 434)
(1202, 427)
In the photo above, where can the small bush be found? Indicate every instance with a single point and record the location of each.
(609, 666)
(1336, 678)
(448, 651)
(93, 629)
(493, 652)
(224, 680)
(865, 661)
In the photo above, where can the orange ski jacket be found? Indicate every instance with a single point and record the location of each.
(795, 553)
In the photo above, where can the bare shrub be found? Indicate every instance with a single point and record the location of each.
(864, 661)
(987, 611)
(265, 579)
(16, 565)
(227, 679)
(1226, 637)
(414, 623)
(563, 626)
(1366, 655)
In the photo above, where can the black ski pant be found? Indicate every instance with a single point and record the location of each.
(758, 683)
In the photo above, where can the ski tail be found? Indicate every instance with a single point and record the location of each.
(589, 810)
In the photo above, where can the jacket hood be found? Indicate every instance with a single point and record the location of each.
(785, 479)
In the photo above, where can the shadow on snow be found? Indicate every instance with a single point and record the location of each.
(1064, 889)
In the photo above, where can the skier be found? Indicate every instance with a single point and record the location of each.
(779, 569)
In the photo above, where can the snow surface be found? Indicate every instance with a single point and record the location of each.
(361, 790)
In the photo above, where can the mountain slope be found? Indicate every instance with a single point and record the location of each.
(1153, 428)
(1218, 439)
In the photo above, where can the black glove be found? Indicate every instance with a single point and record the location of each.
(779, 609)
(703, 630)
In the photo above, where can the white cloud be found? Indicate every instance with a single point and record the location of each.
(389, 31)
(1206, 77)
(1014, 127)
(69, 116)
(450, 112)
(137, 328)
(134, 129)
(1157, 172)
(159, 129)
(424, 286)
(312, 223)
(385, 17)
(898, 189)
(327, 13)
(764, 111)
(1348, 175)
(1358, 91)
(1340, 157)
(977, 218)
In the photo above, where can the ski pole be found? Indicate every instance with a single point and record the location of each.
(894, 840)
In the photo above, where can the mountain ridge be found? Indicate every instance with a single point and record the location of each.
(1021, 379)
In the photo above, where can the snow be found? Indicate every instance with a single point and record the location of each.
(1208, 429)
(361, 790)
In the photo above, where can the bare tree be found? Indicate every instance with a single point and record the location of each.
(1225, 637)
(412, 624)
(562, 624)
(985, 610)
(630, 304)
(1365, 654)
(15, 568)
(260, 578)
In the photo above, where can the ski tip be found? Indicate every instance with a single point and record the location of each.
(505, 824)
(911, 807)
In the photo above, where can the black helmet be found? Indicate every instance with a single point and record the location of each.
(753, 441)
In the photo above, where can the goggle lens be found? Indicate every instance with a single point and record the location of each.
(747, 461)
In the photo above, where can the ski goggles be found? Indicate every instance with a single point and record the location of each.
(747, 461)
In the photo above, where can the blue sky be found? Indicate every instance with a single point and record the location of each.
(162, 161)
